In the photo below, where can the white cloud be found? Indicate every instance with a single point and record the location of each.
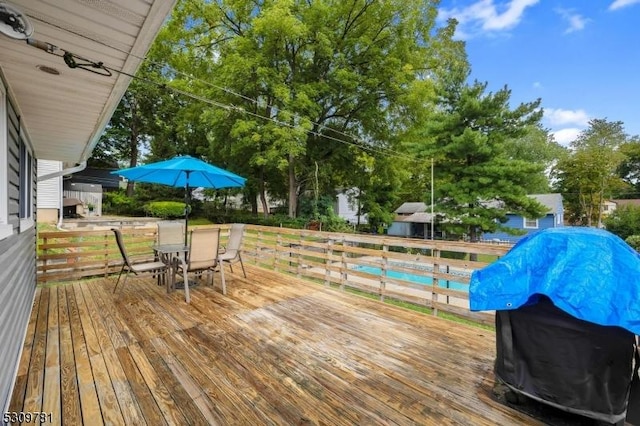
(566, 136)
(486, 15)
(537, 85)
(576, 21)
(619, 4)
(564, 117)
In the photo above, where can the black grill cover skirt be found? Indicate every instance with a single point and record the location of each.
(553, 357)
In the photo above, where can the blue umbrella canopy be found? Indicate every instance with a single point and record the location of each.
(183, 171)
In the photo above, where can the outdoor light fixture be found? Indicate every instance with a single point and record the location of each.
(13, 23)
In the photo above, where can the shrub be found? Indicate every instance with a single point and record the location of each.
(117, 202)
(165, 209)
(633, 241)
(624, 221)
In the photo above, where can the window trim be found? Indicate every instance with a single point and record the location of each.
(524, 223)
(26, 184)
(5, 227)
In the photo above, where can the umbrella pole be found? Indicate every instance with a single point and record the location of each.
(186, 209)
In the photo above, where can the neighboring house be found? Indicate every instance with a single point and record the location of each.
(55, 195)
(553, 219)
(49, 203)
(49, 111)
(413, 219)
(635, 202)
(608, 207)
(346, 206)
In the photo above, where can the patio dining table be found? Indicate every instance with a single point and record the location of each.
(175, 253)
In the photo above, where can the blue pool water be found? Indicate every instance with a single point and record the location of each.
(413, 278)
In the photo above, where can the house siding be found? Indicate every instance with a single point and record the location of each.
(516, 222)
(348, 209)
(49, 200)
(17, 268)
(399, 229)
(50, 190)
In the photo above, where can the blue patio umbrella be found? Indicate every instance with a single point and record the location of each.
(183, 171)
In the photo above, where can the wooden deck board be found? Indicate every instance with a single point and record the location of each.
(109, 407)
(17, 399)
(109, 340)
(68, 378)
(274, 350)
(89, 403)
(35, 378)
(52, 401)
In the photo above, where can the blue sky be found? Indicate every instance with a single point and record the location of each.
(581, 57)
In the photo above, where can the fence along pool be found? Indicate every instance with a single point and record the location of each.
(342, 260)
(329, 258)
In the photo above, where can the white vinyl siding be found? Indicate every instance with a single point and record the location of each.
(49, 190)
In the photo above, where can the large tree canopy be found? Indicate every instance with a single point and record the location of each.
(301, 83)
(308, 98)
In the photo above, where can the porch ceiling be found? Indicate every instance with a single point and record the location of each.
(65, 114)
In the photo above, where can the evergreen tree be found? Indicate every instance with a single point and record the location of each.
(477, 180)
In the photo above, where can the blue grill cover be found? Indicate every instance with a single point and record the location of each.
(589, 273)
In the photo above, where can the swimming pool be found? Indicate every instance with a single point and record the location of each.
(419, 279)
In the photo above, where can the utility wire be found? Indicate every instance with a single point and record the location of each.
(353, 140)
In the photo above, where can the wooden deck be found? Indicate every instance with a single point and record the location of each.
(274, 350)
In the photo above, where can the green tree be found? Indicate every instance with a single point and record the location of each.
(588, 176)
(135, 124)
(629, 169)
(536, 146)
(478, 179)
(125, 134)
(624, 221)
(303, 83)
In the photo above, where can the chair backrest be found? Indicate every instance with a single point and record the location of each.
(170, 232)
(123, 250)
(203, 248)
(236, 233)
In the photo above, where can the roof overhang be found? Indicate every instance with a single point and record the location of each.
(64, 115)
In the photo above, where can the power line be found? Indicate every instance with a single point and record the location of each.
(354, 141)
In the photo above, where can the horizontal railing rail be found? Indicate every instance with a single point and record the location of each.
(430, 273)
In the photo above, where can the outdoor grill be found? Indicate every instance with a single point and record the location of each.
(567, 316)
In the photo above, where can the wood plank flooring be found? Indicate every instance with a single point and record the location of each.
(273, 351)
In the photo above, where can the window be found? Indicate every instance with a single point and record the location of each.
(26, 186)
(530, 223)
(5, 228)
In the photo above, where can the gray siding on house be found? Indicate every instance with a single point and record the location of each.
(13, 167)
(17, 269)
